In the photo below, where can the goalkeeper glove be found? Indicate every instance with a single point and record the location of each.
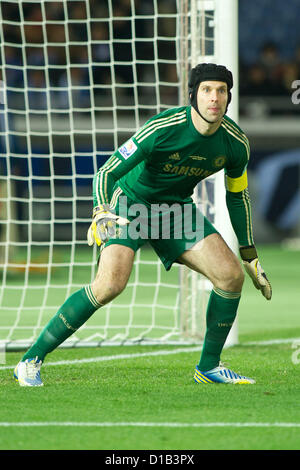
(103, 225)
(253, 268)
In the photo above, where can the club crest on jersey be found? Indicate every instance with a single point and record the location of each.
(219, 161)
(128, 149)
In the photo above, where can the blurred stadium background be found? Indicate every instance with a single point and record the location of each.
(66, 70)
(269, 55)
(78, 78)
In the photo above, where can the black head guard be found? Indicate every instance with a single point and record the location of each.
(207, 72)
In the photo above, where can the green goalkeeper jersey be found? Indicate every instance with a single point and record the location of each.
(167, 157)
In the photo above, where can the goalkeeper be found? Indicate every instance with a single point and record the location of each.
(160, 165)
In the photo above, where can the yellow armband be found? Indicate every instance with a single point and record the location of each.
(236, 185)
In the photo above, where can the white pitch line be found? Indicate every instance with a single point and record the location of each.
(160, 352)
(271, 342)
(150, 424)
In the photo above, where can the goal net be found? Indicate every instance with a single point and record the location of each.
(78, 78)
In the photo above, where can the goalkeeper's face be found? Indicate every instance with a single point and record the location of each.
(212, 100)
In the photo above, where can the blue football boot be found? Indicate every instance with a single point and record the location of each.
(222, 375)
(27, 373)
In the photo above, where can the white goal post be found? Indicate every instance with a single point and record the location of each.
(213, 38)
(77, 78)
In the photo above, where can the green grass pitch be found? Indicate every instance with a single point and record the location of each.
(139, 397)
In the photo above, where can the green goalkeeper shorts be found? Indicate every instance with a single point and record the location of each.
(169, 229)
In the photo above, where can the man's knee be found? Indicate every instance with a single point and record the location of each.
(232, 278)
(238, 277)
(105, 290)
(114, 269)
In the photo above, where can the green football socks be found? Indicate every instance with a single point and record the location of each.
(221, 312)
(76, 310)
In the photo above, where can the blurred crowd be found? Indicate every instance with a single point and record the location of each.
(51, 45)
(271, 74)
(96, 54)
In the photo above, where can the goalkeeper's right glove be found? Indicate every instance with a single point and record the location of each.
(255, 271)
(103, 225)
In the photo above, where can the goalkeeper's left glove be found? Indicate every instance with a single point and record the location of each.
(255, 271)
(103, 225)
